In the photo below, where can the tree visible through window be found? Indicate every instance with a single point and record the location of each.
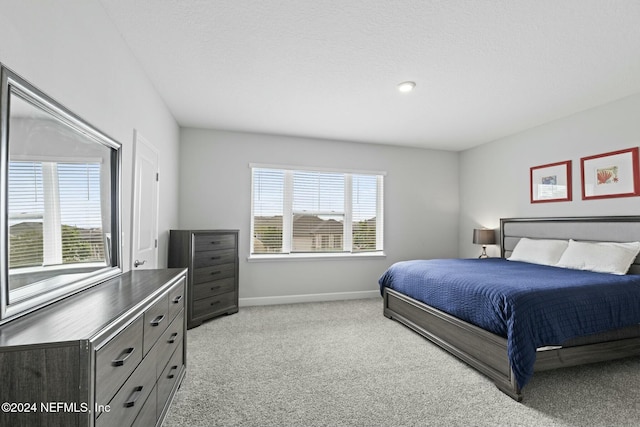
(301, 211)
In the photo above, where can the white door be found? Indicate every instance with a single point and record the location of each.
(144, 228)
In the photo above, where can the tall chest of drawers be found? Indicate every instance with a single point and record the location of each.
(212, 259)
(111, 355)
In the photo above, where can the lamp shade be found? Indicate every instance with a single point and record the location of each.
(483, 236)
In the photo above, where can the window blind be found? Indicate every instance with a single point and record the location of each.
(49, 223)
(25, 214)
(365, 213)
(318, 211)
(80, 212)
(268, 210)
(314, 211)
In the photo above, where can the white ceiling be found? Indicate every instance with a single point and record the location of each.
(329, 68)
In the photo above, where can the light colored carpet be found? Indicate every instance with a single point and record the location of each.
(343, 363)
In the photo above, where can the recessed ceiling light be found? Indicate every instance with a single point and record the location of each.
(406, 86)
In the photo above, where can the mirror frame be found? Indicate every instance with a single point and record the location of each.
(12, 83)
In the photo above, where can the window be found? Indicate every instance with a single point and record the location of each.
(296, 211)
(54, 214)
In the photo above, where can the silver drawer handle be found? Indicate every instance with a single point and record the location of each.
(134, 396)
(214, 303)
(177, 299)
(172, 338)
(157, 320)
(123, 357)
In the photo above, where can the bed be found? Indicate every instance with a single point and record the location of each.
(588, 317)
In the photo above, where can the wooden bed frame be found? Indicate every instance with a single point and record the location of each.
(487, 352)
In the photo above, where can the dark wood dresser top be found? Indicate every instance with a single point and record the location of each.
(84, 315)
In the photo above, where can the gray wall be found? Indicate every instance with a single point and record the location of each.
(421, 207)
(494, 178)
(72, 52)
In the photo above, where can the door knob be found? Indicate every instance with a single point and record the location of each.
(137, 263)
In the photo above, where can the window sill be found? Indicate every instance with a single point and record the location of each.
(315, 256)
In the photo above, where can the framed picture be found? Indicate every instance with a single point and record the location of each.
(551, 183)
(613, 174)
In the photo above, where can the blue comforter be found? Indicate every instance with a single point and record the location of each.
(531, 305)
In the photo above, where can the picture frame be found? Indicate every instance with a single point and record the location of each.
(612, 174)
(551, 182)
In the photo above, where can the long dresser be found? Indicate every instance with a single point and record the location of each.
(212, 259)
(111, 355)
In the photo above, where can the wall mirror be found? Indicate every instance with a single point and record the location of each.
(60, 183)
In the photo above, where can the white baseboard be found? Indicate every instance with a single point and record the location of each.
(292, 299)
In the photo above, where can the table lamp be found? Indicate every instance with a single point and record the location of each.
(484, 237)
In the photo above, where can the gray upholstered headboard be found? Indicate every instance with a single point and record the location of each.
(593, 229)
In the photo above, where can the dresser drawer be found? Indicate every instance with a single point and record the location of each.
(147, 415)
(209, 258)
(201, 275)
(156, 320)
(176, 299)
(214, 304)
(211, 242)
(126, 404)
(117, 360)
(169, 341)
(209, 289)
(169, 376)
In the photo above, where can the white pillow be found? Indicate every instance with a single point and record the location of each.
(603, 257)
(538, 251)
